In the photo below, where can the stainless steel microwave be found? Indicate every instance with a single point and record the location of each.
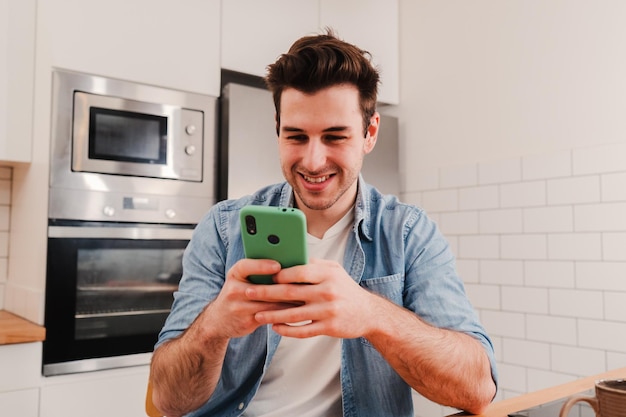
(113, 135)
(129, 152)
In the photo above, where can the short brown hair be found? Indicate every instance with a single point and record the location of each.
(320, 61)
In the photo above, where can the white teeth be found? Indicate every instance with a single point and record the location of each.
(315, 180)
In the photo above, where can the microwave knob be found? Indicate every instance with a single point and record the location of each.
(108, 211)
(170, 213)
(190, 149)
(190, 129)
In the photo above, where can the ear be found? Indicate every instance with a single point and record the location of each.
(372, 133)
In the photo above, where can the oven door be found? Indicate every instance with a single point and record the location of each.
(108, 291)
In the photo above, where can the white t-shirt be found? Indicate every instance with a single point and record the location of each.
(303, 378)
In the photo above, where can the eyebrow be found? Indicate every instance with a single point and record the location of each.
(328, 129)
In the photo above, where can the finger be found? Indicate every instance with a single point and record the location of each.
(243, 268)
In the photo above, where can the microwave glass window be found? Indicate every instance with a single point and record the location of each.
(124, 291)
(124, 136)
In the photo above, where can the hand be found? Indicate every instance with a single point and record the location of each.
(232, 313)
(325, 294)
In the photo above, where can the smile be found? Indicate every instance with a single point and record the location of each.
(316, 180)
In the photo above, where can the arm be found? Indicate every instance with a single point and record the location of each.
(185, 370)
(445, 366)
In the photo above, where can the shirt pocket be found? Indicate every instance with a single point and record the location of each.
(391, 287)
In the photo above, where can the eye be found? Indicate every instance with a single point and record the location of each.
(298, 137)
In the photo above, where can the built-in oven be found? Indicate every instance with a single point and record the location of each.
(109, 292)
(132, 171)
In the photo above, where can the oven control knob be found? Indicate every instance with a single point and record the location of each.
(190, 129)
(170, 213)
(190, 149)
(108, 211)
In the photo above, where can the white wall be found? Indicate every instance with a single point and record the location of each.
(489, 79)
(512, 120)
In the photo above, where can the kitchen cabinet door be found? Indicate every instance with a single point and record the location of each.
(17, 67)
(374, 26)
(159, 42)
(23, 403)
(255, 33)
(119, 392)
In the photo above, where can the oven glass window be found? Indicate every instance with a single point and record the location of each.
(124, 291)
(127, 136)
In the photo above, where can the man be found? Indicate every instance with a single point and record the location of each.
(386, 309)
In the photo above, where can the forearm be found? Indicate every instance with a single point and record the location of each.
(448, 367)
(185, 371)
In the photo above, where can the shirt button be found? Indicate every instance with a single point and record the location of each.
(240, 406)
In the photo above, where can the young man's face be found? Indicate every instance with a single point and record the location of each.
(321, 145)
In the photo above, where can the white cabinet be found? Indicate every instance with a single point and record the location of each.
(255, 33)
(119, 392)
(20, 375)
(24, 403)
(372, 25)
(160, 42)
(17, 66)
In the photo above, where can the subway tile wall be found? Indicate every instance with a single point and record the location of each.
(541, 247)
(5, 210)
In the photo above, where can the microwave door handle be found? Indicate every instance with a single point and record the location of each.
(143, 233)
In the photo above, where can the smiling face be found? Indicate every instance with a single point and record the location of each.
(321, 147)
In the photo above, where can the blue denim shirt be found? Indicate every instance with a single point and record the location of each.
(394, 250)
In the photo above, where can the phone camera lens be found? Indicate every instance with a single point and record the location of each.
(273, 239)
(251, 225)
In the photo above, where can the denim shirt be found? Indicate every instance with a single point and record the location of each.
(394, 250)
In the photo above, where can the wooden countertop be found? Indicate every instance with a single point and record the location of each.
(533, 399)
(15, 329)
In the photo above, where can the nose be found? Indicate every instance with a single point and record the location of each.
(314, 158)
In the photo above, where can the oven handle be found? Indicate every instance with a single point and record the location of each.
(144, 233)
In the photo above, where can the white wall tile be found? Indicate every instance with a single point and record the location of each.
(477, 198)
(524, 194)
(599, 159)
(553, 165)
(525, 300)
(484, 296)
(422, 179)
(550, 329)
(600, 217)
(459, 223)
(550, 274)
(440, 200)
(615, 360)
(613, 187)
(498, 172)
(599, 334)
(548, 219)
(526, 353)
(539, 379)
(506, 324)
(577, 360)
(512, 377)
(468, 270)
(479, 247)
(524, 246)
(502, 272)
(458, 176)
(414, 198)
(614, 246)
(575, 246)
(576, 303)
(615, 306)
(609, 276)
(500, 221)
(574, 190)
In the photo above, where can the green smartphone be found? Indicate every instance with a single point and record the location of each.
(277, 233)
